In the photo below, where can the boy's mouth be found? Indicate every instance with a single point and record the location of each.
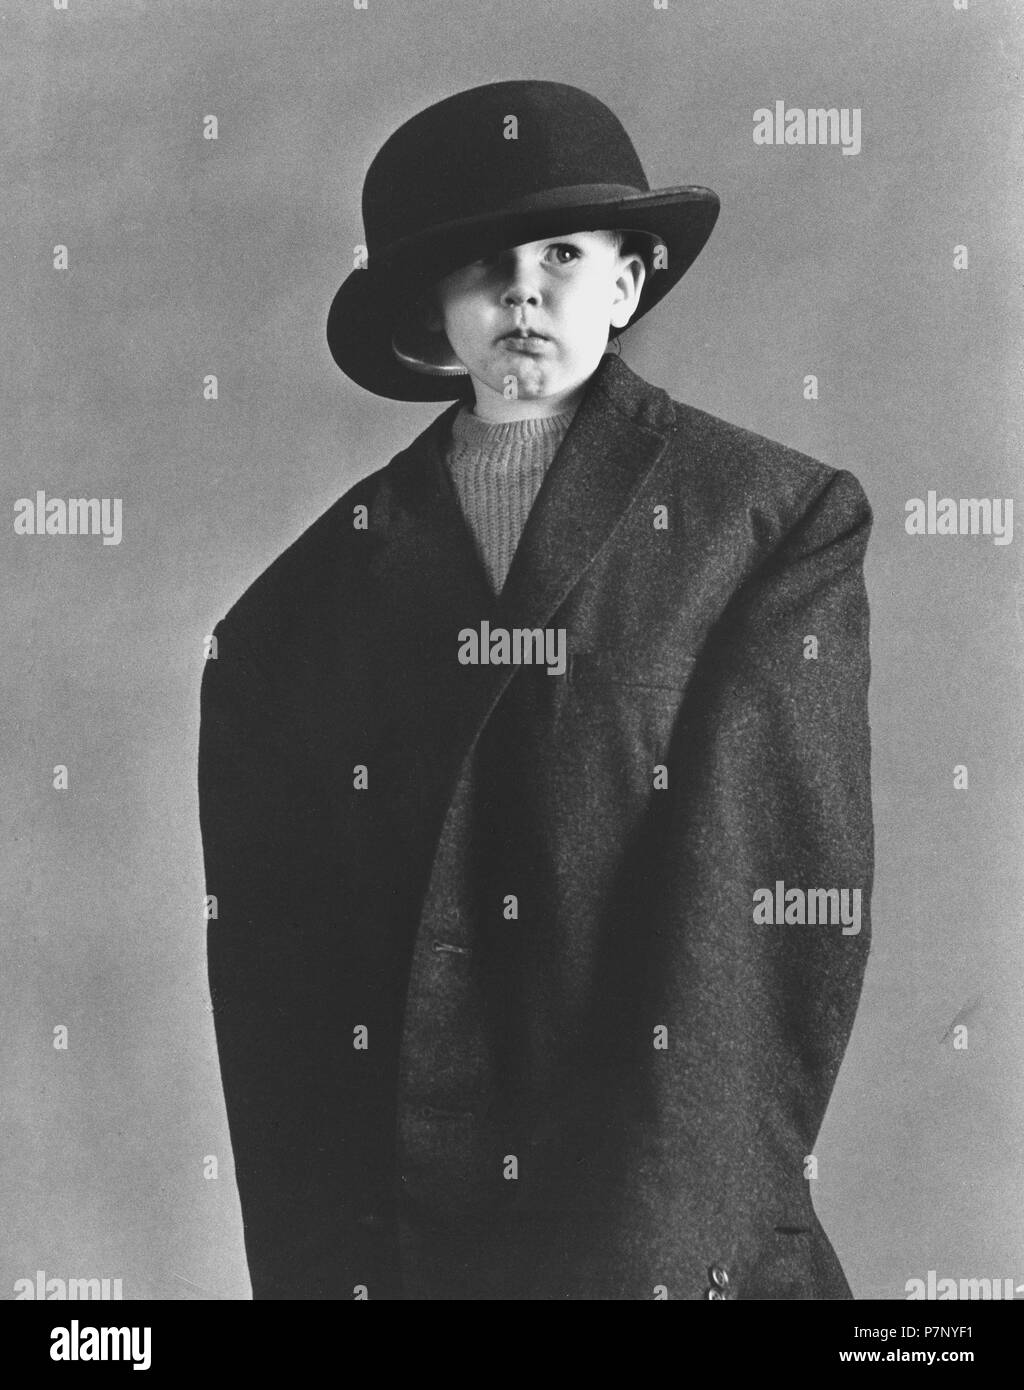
(523, 340)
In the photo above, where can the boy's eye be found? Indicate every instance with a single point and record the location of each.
(564, 253)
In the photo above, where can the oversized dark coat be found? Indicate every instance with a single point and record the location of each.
(587, 1072)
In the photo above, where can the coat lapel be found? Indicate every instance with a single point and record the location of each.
(427, 558)
(608, 451)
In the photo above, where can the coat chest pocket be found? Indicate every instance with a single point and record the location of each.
(623, 710)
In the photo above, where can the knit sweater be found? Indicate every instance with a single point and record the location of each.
(497, 470)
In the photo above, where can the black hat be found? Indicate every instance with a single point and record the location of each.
(483, 170)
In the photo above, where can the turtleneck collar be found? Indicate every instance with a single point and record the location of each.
(469, 431)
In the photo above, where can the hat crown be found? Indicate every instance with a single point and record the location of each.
(482, 150)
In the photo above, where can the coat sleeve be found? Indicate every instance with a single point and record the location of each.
(770, 768)
(783, 789)
(273, 1051)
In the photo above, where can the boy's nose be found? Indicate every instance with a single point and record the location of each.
(520, 287)
(518, 294)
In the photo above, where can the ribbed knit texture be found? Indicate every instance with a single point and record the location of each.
(497, 470)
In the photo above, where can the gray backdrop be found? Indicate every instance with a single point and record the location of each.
(189, 256)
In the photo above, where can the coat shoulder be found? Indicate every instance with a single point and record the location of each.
(738, 470)
(327, 562)
(748, 461)
(313, 565)
(732, 466)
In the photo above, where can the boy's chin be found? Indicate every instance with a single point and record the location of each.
(532, 382)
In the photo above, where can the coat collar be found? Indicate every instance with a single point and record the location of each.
(425, 554)
(613, 441)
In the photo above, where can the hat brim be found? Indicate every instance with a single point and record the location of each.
(366, 308)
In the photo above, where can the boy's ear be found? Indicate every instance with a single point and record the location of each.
(628, 284)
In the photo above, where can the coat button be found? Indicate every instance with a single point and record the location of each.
(719, 1276)
(437, 1112)
(714, 1294)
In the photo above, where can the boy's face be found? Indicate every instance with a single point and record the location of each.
(538, 313)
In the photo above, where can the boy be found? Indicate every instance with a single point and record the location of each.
(534, 777)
